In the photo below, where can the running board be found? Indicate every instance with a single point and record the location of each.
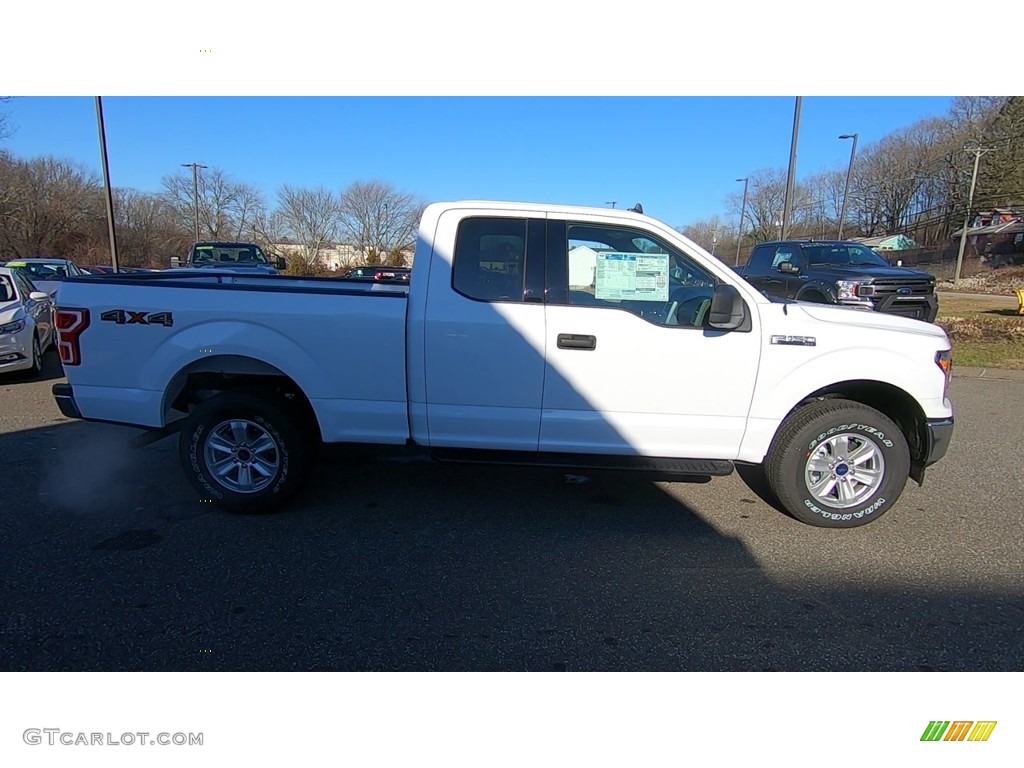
(667, 466)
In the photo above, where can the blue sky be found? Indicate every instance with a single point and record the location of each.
(679, 156)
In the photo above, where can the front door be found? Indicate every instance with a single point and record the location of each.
(632, 367)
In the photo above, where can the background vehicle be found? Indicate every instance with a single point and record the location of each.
(109, 270)
(840, 272)
(26, 323)
(378, 272)
(220, 255)
(532, 334)
(46, 274)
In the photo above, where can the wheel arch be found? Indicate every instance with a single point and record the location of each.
(888, 399)
(206, 377)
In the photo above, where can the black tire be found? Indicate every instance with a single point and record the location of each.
(808, 451)
(280, 468)
(37, 358)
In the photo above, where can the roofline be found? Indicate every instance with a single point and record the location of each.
(511, 205)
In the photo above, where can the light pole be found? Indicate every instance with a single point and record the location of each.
(743, 212)
(611, 203)
(106, 184)
(791, 175)
(195, 191)
(849, 172)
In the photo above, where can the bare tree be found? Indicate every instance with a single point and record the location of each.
(49, 207)
(6, 126)
(766, 195)
(379, 220)
(1001, 178)
(148, 229)
(311, 218)
(710, 234)
(226, 207)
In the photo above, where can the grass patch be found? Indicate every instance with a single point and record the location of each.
(954, 305)
(986, 331)
(1005, 355)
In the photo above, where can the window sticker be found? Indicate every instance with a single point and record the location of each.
(637, 276)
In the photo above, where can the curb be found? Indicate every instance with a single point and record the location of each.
(987, 373)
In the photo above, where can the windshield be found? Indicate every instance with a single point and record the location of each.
(229, 253)
(843, 254)
(40, 271)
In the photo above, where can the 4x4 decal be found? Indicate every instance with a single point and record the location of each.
(130, 317)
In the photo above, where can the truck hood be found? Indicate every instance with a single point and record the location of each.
(863, 318)
(867, 273)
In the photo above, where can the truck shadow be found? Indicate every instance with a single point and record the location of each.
(390, 562)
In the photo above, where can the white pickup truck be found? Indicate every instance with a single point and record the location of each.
(528, 334)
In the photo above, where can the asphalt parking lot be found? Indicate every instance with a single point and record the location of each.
(110, 562)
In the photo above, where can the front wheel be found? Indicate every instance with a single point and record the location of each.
(838, 464)
(245, 451)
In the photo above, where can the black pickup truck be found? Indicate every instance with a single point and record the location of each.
(840, 272)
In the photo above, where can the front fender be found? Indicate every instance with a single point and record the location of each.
(782, 385)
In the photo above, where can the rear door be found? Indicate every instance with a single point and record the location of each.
(483, 347)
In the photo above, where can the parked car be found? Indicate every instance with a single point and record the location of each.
(379, 272)
(840, 272)
(46, 274)
(26, 323)
(498, 352)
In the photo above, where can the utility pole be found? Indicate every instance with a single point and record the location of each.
(790, 177)
(611, 203)
(195, 191)
(714, 240)
(849, 172)
(978, 152)
(106, 184)
(743, 212)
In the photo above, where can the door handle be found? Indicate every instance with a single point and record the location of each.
(576, 341)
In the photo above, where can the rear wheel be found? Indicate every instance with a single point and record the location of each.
(838, 464)
(246, 451)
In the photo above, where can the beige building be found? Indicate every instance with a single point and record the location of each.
(338, 257)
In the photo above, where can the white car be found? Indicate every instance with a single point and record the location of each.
(46, 274)
(26, 323)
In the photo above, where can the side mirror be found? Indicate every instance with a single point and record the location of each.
(39, 296)
(728, 310)
(281, 264)
(789, 268)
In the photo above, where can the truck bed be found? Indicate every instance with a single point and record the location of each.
(148, 332)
